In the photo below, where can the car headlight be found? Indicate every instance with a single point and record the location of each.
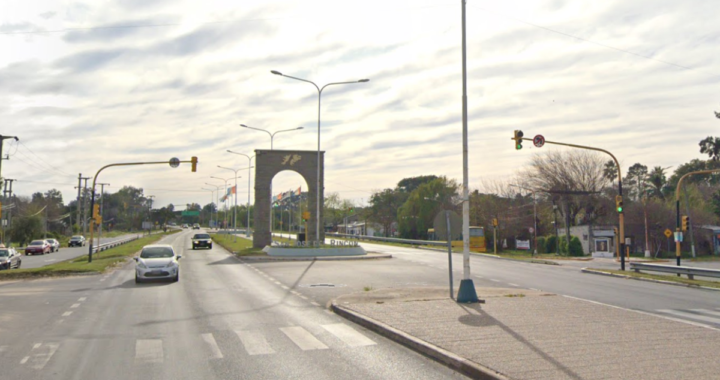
(141, 265)
(170, 264)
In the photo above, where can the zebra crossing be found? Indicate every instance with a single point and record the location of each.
(220, 344)
(708, 317)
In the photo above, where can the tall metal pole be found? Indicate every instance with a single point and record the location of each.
(317, 185)
(247, 229)
(102, 201)
(690, 228)
(467, 287)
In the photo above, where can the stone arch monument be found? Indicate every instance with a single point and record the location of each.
(270, 162)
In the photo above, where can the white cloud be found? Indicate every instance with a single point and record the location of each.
(180, 82)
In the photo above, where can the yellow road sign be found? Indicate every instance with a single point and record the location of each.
(668, 233)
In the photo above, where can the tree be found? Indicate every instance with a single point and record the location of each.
(408, 185)
(416, 215)
(658, 181)
(25, 229)
(711, 146)
(610, 171)
(635, 181)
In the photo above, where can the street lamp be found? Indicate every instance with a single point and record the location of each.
(247, 229)
(226, 181)
(212, 200)
(235, 208)
(272, 135)
(317, 189)
(217, 203)
(534, 215)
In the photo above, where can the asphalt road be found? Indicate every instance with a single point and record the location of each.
(222, 320)
(325, 280)
(65, 253)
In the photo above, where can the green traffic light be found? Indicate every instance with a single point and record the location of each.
(518, 146)
(619, 209)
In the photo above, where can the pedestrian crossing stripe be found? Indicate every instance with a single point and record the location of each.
(704, 315)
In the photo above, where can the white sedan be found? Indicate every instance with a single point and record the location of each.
(157, 261)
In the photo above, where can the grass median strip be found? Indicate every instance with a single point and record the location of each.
(660, 277)
(241, 247)
(79, 265)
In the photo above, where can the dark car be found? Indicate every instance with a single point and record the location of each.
(9, 258)
(201, 240)
(38, 246)
(54, 245)
(77, 241)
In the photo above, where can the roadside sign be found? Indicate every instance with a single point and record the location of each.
(678, 237)
(668, 233)
(538, 141)
(174, 162)
(531, 230)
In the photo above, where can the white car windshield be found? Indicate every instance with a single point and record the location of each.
(4, 253)
(156, 253)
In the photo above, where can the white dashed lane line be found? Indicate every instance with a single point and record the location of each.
(82, 299)
(67, 313)
(74, 305)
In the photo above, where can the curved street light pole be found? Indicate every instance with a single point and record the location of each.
(217, 202)
(212, 200)
(272, 135)
(317, 185)
(235, 208)
(225, 189)
(247, 228)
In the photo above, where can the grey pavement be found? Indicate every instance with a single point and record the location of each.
(527, 334)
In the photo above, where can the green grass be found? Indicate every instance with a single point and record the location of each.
(243, 246)
(670, 278)
(80, 265)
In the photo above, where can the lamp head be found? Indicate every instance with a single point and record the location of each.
(364, 80)
(244, 126)
(300, 128)
(275, 72)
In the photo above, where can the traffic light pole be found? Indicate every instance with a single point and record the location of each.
(678, 230)
(621, 215)
(173, 163)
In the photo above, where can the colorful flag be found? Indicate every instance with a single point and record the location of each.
(231, 190)
(223, 198)
(298, 191)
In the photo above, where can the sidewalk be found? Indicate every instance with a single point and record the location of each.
(526, 334)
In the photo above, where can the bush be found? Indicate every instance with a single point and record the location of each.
(541, 245)
(551, 244)
(576, 248)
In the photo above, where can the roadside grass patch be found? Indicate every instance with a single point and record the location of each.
(79, 265)
(241, 247)
(660, 277)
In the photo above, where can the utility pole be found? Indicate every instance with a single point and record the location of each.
(2, 140)
(84, 206)
(78, 205)
(150, 197)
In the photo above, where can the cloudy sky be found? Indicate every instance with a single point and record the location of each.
(88, 83)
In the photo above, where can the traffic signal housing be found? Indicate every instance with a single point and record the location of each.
(194, 162)
(518, 135)
(619, 204)
(685, 222)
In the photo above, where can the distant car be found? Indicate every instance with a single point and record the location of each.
(54, 245)
(157, 261)
(77, 241)
(9, 258)
(201, 240)
(38, 246)
(184, 226)
(196, 226)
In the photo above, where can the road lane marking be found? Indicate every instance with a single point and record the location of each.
(51, 260)
(303, 339)
(148, 351)
(254, 343)
(348, 335)
(686, 315)
(82, 299)
(214, 349)
(511, 284)
(74, 305)
(494, 280)
(314, 303)
(67, 313)
(706, 311)
(40, 355)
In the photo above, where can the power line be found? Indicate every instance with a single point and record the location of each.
(40, 158)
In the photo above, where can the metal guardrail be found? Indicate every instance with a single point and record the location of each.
(389, 240)
(688, 271)
(100, 248)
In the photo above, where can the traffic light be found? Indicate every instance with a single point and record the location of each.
(306, 216)
(96, 211)
(518, 139)
(351, 210)
(619, 203)
(194, 162)
(685, 222)
(495, 222)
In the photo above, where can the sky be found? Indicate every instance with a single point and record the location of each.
(84, 84)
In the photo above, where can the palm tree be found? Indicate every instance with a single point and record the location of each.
(658, 180)
(711, 146)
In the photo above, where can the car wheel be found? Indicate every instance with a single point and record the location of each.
(177, 277)
(19, 263)
(210, 246)
(137, 279)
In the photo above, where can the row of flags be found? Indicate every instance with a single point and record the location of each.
(287, 194)
(230, 191)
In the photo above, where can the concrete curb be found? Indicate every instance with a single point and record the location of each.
(447, 358)
(531, 261)
(591, 271)
(314, 258)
